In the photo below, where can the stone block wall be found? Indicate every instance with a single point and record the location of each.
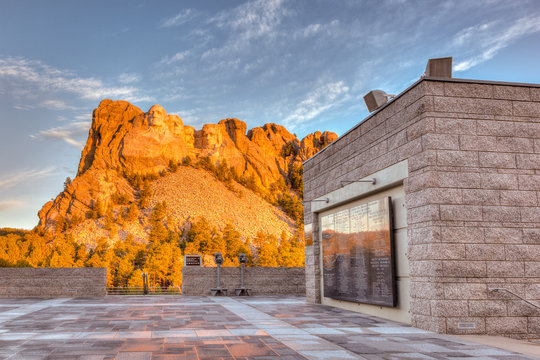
(262, 280)
(53, 282)
(472, 199)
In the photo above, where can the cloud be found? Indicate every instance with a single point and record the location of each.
(27, 77)
(317, 101)
(83, 117)
(127, 78)
(252, 25)
(11, 204)
(469, 33)
(68, 133)
(24, 175)
(490, 38)
(315, 29)
(253, 19)
(24, 107)
(181, 18)
(55, 105)
(179, 56)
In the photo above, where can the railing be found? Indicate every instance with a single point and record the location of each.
(516, 295)
(143, 291)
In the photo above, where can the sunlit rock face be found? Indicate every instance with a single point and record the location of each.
(124, 140)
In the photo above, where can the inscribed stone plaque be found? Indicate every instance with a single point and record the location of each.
(358, 261)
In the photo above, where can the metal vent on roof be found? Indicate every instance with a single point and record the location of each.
(375, 99)
(441, 68)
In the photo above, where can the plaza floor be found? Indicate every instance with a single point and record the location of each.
(179, 327)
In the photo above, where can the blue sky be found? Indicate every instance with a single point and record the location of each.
(305, 64)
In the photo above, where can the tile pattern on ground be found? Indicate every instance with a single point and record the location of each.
(176, 327)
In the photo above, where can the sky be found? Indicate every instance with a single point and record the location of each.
(305, 64)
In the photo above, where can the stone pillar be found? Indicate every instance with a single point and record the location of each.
(312, 253)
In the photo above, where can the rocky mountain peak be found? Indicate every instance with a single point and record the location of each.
(124, 141)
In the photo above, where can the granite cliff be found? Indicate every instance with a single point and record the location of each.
(125, 143)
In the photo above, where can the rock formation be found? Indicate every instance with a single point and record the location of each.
(123, 141)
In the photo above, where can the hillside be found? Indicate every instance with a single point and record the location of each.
(194, 193)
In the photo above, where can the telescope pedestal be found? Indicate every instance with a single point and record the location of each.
(218, 292)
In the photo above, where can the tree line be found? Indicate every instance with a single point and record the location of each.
(160, 255)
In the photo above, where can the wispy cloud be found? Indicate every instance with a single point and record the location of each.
(490, 38)
(468, 34)
(317, 101)
(127, 78)
(28, 76)
(24, 175)
(179, 56)
(24, 107)
(250, 26)
(72, 133)
(83, 117)
(181, 18)
(55, 105)
(316, 29)
(11, 204)
(253, 19)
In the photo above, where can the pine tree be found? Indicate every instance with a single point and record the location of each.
(233, 244)
(67, 182)
(267, 250)
(144, 195)
(132, 213)
(199, 237)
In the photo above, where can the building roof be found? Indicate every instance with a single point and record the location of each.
(465, 81)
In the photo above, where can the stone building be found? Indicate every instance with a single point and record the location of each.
(460, 161)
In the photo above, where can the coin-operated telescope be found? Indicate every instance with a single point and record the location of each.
(218, 259)
(218, 291)
(242, 258)
(242, 290)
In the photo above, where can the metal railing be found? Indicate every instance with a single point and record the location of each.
(143, 291)
(516, 295)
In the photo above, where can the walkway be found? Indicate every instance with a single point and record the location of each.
(176, 327)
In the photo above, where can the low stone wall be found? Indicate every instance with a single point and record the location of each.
(52, 282)
(262, 280)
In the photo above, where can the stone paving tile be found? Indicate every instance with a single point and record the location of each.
(197, 328)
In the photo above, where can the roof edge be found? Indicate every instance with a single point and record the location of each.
(436, 79)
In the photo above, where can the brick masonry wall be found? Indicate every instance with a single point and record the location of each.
(472, 199)
(262, 280)
(52, 282)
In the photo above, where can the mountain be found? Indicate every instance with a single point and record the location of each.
(134, 161)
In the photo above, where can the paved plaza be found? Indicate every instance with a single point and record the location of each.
(181, 327)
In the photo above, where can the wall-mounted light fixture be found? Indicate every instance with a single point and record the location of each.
(376, 99)
(326, 200)
(345, 182)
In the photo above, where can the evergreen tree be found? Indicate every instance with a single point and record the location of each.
(267, 250)
(67, 182)
(132, 213)
(144, 195)
(199, 237)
